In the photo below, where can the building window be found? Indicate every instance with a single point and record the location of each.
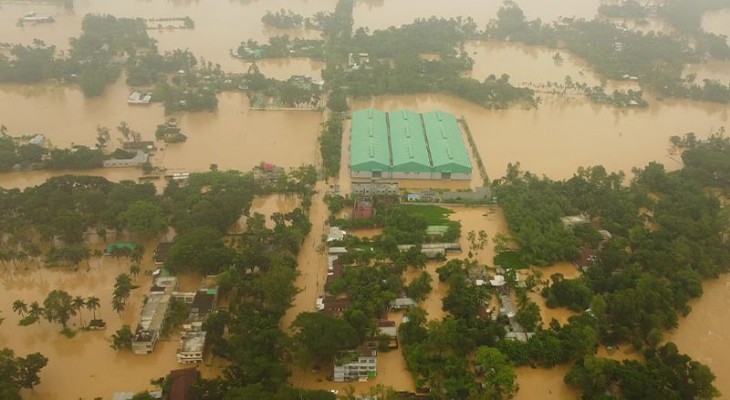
(377, 174)
(446, 175)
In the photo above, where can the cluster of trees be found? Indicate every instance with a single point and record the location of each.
(706, 161)
(284, 19)
(396, 53)
(146, 69)
(59, 306)
(19, 372)
(619, 98)
(296, 92)
(657, 60)
(330, 144)
(667, 236)
(33, 156)
(281, 47)
(627, 9)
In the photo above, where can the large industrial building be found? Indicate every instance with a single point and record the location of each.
(407, 145)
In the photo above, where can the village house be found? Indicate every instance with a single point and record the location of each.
(388, 328)
(181, 383)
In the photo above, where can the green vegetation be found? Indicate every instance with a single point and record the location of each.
(122, 338)
(627, 9)
(19, 373)
(281, 47)
(686, 15)
(655, 60)
(330, 145)
(283, 19)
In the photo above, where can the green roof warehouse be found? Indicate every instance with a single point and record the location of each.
(407, 145)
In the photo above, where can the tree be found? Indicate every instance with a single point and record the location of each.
(200, 249)
(35, 312)
(19, 373)
(500, 380)
(319, 337)
(122, 338)
(58, 307)
(144, 219)
(78, 303)
(20, 308)
(134, 270)
(93, 303)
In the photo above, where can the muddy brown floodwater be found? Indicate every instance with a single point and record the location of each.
(219, 27)
(562, 134)
(85, 366)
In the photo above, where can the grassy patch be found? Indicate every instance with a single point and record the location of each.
(434, 215)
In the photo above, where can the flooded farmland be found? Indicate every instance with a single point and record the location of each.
(562, 134)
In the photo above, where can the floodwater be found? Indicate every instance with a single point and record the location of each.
(518, 61)
(717, 22)
(703, 334)
(85, 366)
(218, 27)
(539, 383)
(713, 70)
(561, 135)
(287, 139)
(564, 133)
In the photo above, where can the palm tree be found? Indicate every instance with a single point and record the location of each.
(92, 303)
(117, 305)
(36, 311)
(134, 270)
(78, 303)
(20, 307)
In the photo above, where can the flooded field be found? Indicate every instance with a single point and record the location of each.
(519, 62)
(539, 383)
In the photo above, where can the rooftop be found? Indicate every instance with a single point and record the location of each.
(153, 312)
(446, 143)
(370, 147)
(193, 342)
(408, 144)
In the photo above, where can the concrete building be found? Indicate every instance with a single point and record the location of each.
(191, 347)
(406, 145)
(355, 365)
(375, 188)
(153, 315)
(150, 323)
(139, 158)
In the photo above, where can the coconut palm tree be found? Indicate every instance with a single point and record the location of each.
(35, 311)
(20, 307)
(118, 305)
(78, 303)
(93, 303)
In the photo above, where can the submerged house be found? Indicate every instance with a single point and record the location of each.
(357, 364)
